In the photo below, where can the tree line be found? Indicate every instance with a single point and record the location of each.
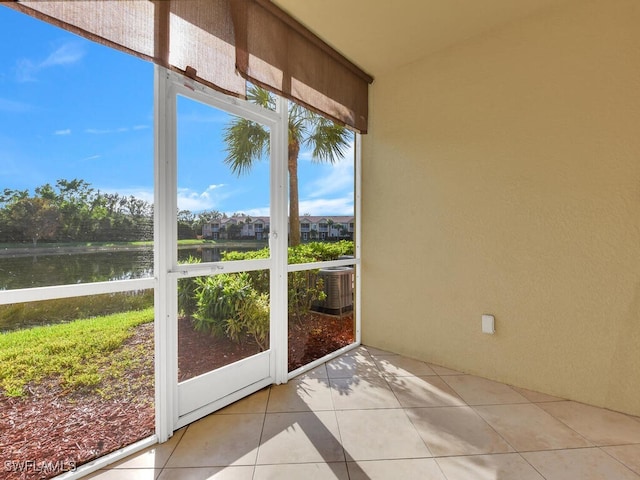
(73, 211)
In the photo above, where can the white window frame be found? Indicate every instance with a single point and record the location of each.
(164, 253)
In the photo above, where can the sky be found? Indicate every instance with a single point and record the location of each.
(70, 108)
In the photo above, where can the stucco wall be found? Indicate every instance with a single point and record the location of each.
(502, 176)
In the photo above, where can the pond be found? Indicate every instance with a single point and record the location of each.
(64, 268)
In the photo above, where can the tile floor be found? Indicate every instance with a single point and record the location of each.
(375, 415)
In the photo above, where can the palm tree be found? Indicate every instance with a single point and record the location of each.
(248, 142)
(330, 223)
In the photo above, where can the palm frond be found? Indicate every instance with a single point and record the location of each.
(327, 140)
(260, 96)
(246, 142)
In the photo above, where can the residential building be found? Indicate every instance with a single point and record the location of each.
(328, 227)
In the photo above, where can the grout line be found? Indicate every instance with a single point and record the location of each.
(264, 421)
(617, 460)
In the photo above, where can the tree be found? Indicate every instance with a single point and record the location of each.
(186, 220)
(233, 231)
(248, 142)
(35, 218)
(206, 217)
(74, 200)
(330, 223)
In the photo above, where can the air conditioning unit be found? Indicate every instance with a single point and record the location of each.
(338, 287)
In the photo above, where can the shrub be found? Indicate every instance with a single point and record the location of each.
(187, 292)
(237, 305)
(304, 288)
(229, 304)
(303, 253)
(319, 251)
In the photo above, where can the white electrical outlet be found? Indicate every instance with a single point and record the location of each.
(488, 324)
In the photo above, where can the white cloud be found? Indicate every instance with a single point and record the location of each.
(92, 157)
(99, 131)
(66, 54)
(66, 131)
(139, 193)
(13, 106)
(188, 199)
(106, 131)
(257, 212)
(212, 116)
(305, 155)
(328, 206)
(338, 181)
(193, 201)
(25, 71)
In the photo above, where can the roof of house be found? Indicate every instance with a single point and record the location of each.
(267, 220)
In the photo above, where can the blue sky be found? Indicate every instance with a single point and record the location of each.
(70, 108)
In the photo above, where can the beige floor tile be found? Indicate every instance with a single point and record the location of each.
(254, 403)
(579, 464)
(306, 471)
(125, 474)
(488, 467)
(208, 473)
(600, 426)
(627, 454)
(480, 391)
(527, 427)
(359, 350)
(300, 437)
(350, 365)
(430, 391)
(362, 393)
(318, 372)
(219, 440)
(443, 370)
(456, 431)
(301, 395)
(536, 397)
(413, 468)
(399, 366)
(152, 457)
(379, 435)
(376, 352)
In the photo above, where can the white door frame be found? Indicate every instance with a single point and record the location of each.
(169, 397)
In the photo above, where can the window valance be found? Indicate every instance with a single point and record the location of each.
(222, 43)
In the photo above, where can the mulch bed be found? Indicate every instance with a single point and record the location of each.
(317, 336)
(51, 430)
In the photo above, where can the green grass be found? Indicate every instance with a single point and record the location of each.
(79, 354)
(55, 245)
(195, 241)
(47, 312)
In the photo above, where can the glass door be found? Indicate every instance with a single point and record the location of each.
(219, 178)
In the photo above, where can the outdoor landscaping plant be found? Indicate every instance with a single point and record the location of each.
(237, 305)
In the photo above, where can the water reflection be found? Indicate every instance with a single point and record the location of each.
(28, 271)
(210, 254)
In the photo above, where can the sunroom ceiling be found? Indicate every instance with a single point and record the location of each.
(380, 35)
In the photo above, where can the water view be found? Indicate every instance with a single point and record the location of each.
(21, 270)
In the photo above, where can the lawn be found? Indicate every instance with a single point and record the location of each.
(78, 354)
